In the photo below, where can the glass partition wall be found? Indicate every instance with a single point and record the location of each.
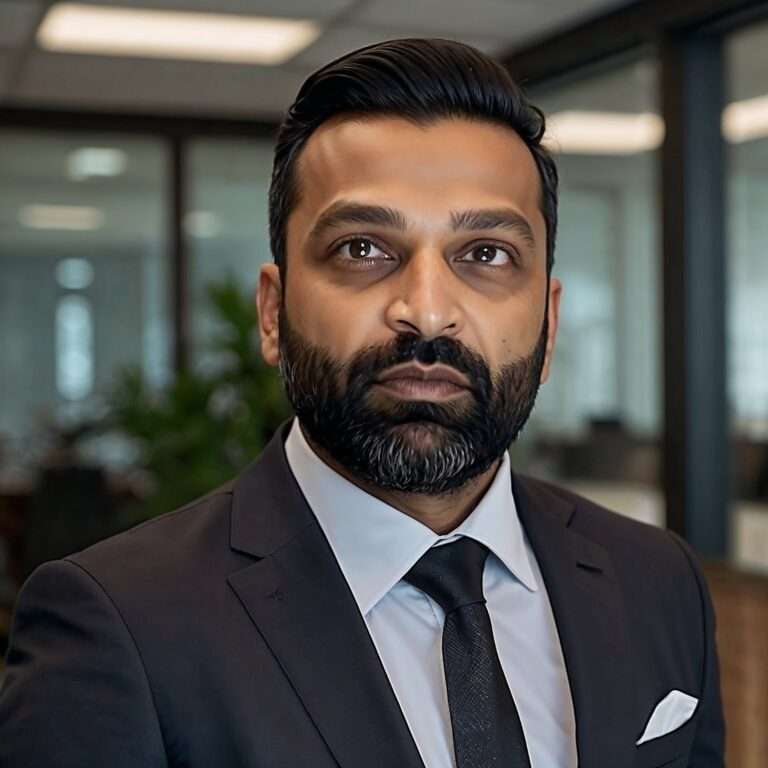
(84, 278)
(596, 426)
(85, 274)
(226, 226)
(745, 129)
(84, 294)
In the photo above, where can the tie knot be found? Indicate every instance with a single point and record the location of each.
(451, 574)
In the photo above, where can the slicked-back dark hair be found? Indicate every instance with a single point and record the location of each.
(418, 79)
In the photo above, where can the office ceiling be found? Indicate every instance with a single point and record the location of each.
(33, 77)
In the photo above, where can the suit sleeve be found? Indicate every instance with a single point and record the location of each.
(75, 692)
(708, 749)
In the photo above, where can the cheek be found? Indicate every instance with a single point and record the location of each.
(506, 334)
(341, 324)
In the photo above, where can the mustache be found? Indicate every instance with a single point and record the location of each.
(372, 361)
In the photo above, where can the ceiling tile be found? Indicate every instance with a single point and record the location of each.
(342, 39)
(18, 19)
(513, 21)
(747, 54)
(542, 18)
(494, 18)
(627, 88)
(290, 8)
(7, 63)
(167, 86)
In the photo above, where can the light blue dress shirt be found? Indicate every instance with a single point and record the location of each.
(376, 545)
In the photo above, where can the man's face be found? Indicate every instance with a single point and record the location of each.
(417, 321)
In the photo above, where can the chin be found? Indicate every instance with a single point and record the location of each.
(422, 434)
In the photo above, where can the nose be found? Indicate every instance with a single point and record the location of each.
(426, 299)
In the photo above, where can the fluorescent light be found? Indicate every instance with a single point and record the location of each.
(69, 217)
(202, 224)
(604, 133)
(95, 161)
(74, 274)
(746, 120)
(618, 133)
(77, 28)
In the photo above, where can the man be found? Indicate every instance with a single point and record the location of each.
(377, 588)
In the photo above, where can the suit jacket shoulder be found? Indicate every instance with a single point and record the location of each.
(658, 572)
(181, 549)
(635, 546)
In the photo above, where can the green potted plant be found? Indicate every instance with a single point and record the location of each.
(206, 426)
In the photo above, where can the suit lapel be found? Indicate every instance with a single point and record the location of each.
(297, 597)
(589, 612)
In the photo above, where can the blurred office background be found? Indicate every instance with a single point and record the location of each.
(133, 222)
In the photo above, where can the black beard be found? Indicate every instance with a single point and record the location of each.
(413, 446)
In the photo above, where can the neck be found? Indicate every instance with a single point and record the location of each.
(440, 512)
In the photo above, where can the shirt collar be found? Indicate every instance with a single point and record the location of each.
(377, 544)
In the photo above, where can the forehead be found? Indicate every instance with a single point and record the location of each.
(450, 163)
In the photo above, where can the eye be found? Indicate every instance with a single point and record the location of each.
(361, 250)
(490, 254)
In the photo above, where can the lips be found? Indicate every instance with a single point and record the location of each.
(433, 373)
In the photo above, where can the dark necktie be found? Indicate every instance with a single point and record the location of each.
(486, 726)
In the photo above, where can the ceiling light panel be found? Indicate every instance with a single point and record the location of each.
(90, 162)
(603, 133)
(746, 120)
(202, 224)
(115, 31)
(62, 217)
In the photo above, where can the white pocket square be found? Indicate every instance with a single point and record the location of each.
(671, 712)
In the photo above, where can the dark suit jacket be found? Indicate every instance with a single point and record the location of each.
(224, 634)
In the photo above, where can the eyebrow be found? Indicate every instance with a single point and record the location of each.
(347, 212)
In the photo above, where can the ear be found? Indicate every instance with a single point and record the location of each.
(553, 319)
(268, 299)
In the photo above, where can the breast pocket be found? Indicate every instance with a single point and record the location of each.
(668, 751)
